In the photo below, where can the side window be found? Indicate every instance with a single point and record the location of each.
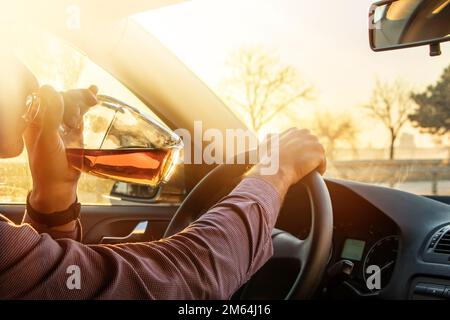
(60, 65)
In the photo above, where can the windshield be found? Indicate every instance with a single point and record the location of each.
(383, 117)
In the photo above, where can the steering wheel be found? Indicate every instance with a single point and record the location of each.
(304, 260)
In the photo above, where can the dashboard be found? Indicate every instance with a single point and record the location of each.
(379, 240)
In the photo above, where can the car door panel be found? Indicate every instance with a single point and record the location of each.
(117, 222)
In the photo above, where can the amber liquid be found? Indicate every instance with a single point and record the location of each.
(142, 166)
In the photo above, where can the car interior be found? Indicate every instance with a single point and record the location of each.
(329, 232)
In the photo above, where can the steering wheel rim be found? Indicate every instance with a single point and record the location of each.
(313, 252)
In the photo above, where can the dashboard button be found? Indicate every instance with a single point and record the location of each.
(447, 292)
(421, 288)
(435, 290)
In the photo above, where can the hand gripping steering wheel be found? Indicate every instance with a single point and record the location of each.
(307, 258)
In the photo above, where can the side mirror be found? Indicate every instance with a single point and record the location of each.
(396, 24)
(135, 193)
(171, 192)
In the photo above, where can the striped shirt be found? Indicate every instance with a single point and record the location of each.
(211, 259)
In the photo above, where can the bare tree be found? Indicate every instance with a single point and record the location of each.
(334, 129)
(391, 104)
(261, 86)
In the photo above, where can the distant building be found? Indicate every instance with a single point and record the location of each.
(407, 141)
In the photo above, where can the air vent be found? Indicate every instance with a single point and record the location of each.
(443, 244)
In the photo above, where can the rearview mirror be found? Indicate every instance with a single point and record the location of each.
(396, 24)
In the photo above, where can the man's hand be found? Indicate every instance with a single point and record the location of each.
(300, 153)
(54, 180)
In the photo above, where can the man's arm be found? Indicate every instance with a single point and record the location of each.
(54, 180)
(209, 260)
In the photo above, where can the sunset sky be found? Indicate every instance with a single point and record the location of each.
(326, 40)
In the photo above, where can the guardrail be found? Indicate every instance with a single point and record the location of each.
(384, 172)
(393, 172)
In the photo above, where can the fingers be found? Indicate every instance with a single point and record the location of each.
(323, 167)
(57, 108)
(86, 97)
(94, 89)
(320, 157)
(43, 134)
(306, 150)
(68, 107)
(77, 103)
(52, 104)
(318, 153)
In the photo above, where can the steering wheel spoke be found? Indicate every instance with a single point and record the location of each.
(286, 245)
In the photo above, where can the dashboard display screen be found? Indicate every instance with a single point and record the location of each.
(353, 249)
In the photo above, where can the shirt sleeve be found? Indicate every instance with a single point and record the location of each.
(211, 259)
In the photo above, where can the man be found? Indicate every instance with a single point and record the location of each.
(209, 260)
